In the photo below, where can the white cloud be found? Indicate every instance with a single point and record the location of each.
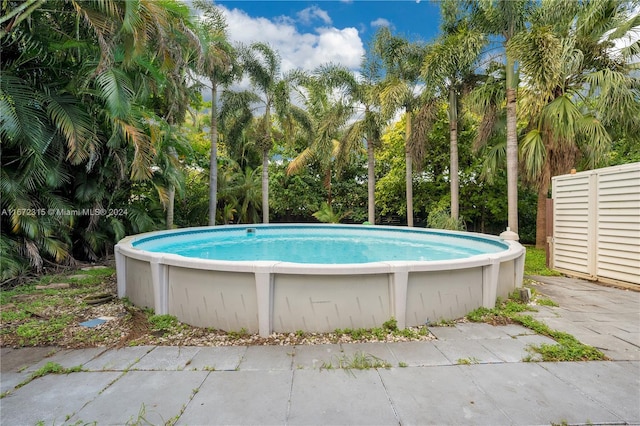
(308, 15)
(297, 50)
(381, 22)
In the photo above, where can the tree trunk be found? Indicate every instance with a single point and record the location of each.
(171, 195)
(213, 162)
(371, 183)
(265, 185)
(327, 185)
(453, 169)
(512, 147)
(265, 163)
(541, 215)
(409, 168)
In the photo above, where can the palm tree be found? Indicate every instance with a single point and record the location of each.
(218, 65)
(262, 64)
(580, 89)
(448, 70)
(239, 126)
(367, 126)
(402, 61)
(329, 106)
(326, 214)
(506, 18)
(245, 188)
(79, 121)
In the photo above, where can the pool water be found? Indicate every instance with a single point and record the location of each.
(321, 244)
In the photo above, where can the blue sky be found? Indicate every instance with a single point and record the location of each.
(310, 33)
(410, 18)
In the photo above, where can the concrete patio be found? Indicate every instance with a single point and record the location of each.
(472, 374)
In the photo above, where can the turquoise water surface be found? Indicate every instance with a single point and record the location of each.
(324, 244)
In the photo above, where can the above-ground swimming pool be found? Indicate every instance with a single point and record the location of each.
(317, 278)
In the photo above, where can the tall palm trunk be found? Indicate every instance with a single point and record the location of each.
(265, 186)
(544, 181)
(541, 221)
(171, 192)
(171, 197)
(213, 163)
(409, 167)
(371, 183)
(327, 185)
(512, 147)
(265, 165)
(453, 154)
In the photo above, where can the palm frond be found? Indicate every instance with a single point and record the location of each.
(394, 95)
(21, 116)
(561, 116)
(301, 160)
(115, 89)
(75, 125)
(597, 141)
(540, 54)
(55, 248)
(616, 95)
(421, 125)
(144, 151)
(494, 158)
(533, 153)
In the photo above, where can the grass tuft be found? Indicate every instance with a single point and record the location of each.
(358, 361)
(568, 348)
(535, 263)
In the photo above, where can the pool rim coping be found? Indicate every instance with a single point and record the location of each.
(126, 245)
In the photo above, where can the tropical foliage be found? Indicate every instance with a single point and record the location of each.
(118, 117)
(90, 98)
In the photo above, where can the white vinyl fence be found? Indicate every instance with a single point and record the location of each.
(596, 224)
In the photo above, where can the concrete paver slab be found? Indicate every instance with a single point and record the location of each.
(616, 385)
(52, 398)
(544, 312)
(516, 330)
(267, 358)
(607, 343)
(609, 328)
(240, 398)
(446, 332)
(117, 359)
(16, 360)
(508, 350)
(167, 358)
(378, 350)
(222, 358)
(439, 395)
(316, 356)
(339, 397)
(482, 331)
(10, 380)
(576, 329)
(68, 358)
(623, 356)
(147, 397)
(536, 339)
(415, 354)
(529, 394)
(466, 351)
(631, 337)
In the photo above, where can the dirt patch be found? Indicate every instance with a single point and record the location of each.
(66, 317)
